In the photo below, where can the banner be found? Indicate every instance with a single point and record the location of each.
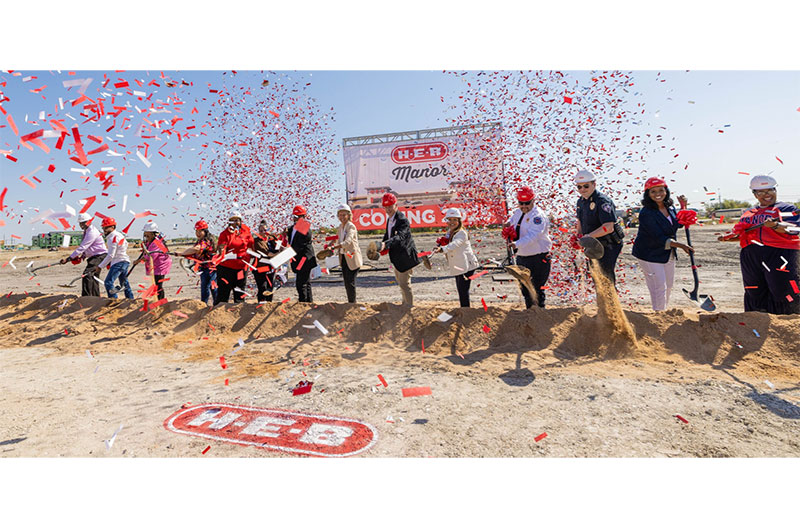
(427, 176)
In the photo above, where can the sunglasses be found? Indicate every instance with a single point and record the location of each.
(584, 186)
(763, 191)
(526, 203)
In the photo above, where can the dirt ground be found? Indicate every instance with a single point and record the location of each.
(499, 377)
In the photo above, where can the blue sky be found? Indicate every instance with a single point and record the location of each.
(756, 110)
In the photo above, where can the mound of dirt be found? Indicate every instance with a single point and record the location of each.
(266, 338)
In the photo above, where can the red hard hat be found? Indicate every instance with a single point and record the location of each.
(655, 181)
(388, 199)
(299, 210)
(525, 194)
(108, 222)
(201, 224)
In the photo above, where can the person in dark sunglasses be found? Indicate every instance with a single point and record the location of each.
(597, 218)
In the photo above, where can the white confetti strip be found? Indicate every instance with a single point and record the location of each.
(765, 266)
(142, 158)
(110, 442)
(444, 317)
(320, 327)
(769, 384)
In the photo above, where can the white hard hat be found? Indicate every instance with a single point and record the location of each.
(584, 176)
(235, 214)
(763, 182)
(344, 207)
(150, 227)
(452, 213)
(84, 217)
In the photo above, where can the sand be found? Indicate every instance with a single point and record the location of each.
(499, 377)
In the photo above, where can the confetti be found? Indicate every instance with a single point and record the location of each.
(681, 418)
(380, 377)
(320, 327)
(303, 387)
(769, 384)
(416, 391)
(110, 442)
(540, 437)
(206, 450)
(444, 317)
(756, 332)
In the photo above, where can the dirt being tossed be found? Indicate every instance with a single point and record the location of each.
(610, 313)
(755, 345)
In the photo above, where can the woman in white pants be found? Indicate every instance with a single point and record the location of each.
(655, 243)
(458, 251)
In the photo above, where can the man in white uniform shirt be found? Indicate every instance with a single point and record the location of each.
(117, 258)
(531, 243)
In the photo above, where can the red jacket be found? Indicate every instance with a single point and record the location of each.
(765, 235)
(237, 243)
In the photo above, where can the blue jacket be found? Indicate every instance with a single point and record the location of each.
(654, 232)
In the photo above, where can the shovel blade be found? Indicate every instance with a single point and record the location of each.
(592, 247)
(707, 303)
(704, 301)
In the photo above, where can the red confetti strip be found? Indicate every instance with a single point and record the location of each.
(486, 329)
(485, 308)
(380, 377)
(304, 389)
(423, 346)
(226, 381)
(416, 391)
(89, 202)
(179, 290)
(479, 274)
(222, 362)
(206, 450)
(300, 264)
(2, 197)
(681, 418)
(777, 158)
(158, 303)
(540, 437)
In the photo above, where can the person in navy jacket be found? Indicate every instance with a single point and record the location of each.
(655, 242)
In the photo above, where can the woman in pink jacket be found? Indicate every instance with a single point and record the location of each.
(155, 255)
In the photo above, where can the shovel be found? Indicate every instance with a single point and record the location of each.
(73, 281)
(33, 271)
(592, 247)
(704, 301)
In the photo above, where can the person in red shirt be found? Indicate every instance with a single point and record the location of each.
(233, 243)
(768, 236)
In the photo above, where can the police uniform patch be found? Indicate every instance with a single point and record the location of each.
(591, 206)
(607, 207)
(537, 220)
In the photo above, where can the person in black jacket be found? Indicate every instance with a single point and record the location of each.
(597, 218)
(655, 242)
(400, 244)
(304, 261)
(265, 244)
